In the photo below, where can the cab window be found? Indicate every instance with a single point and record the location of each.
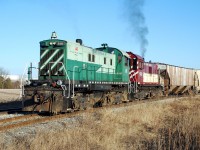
(89, 57)
(93, 58)
(104, 60)
(126, 61)
(119, 58)
(141, 65)
(150, 70)
(134, 64)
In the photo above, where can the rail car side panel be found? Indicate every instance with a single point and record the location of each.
(87, 64)
(176, 79)
(150, 74)
(197, 80)
(143, 73)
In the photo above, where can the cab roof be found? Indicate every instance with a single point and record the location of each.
(112, 49)
(131, 55)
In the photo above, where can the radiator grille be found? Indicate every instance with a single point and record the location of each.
(50, 62)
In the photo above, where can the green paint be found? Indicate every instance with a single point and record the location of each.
(85, 70)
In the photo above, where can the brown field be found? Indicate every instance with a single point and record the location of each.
(7, 95)
(156, 125)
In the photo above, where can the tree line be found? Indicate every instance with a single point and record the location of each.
(6, 82)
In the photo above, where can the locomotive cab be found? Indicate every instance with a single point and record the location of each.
(143, 77)
(121, 63)
(136, 64)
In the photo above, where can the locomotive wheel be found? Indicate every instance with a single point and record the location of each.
(116, 98)
(80, 101)
(125, 97)
(76, 102)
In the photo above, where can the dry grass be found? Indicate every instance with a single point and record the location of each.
(174, 125)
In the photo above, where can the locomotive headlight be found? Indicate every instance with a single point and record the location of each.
(28, 82)
(59, 82)
(52, 43)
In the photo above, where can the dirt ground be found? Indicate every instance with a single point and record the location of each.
(10, 99)
(7, 95)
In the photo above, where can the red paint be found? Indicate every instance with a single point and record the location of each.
(138, 67)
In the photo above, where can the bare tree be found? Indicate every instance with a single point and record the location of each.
(3, 76)
(3, 73)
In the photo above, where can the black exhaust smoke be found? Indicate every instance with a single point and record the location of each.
(136, 20)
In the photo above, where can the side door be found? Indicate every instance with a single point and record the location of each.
(119, 68)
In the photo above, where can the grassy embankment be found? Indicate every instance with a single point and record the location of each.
(174, 125)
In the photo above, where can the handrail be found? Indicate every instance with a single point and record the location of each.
(22, 85)
(22, 77)
(66, 75)
(64, 89)
(68, 79)
(129, 87)
(73, 79)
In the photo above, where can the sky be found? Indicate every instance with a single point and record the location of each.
(173, 29)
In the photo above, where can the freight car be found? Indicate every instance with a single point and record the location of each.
(197, 81)
(176, 80)
(73, 76)
(156, 79)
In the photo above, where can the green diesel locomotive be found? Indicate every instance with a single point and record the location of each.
(72, 76)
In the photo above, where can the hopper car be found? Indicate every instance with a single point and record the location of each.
(197, 81)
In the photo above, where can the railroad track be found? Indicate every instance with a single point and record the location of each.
(31, 119)
(18, 121)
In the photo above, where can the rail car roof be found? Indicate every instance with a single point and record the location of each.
(138, 56)
(174, 66)
(111, 49)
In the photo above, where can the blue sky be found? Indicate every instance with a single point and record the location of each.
(173, 25)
